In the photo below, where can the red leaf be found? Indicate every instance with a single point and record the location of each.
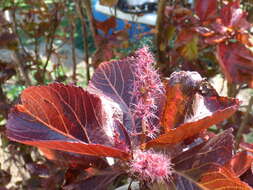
(67, 118)
(204, 31)
(236, 62)
(205, 9)
(230, 10)
(233, 16)
(181, 13)
(123, 82)
(192, 105)
(216, 39)
(72, 160)
(219, 177)
(245, 39)
(184, 37)
(248, 177)
(218, 149)
(210, 176)
(240, 163)
(202, 167)
(107, 45)
(111, 79)
(99, 182)
(246, 146)
(219, 27)
(106, 25)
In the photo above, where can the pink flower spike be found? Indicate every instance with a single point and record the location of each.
(147, 90)
(152, 166)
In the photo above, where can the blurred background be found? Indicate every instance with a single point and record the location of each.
(44, 41)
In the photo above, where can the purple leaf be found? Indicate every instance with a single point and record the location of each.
(68, 118)
(126, 82)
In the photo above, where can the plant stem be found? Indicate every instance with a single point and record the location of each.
(17, 58)
(4, 103)
(17, 55)
(85, 37)
(51, 37)
(232, 91)
(144, 130)
(15, 30)
(72, 36)
(87, 5)
(243, 124)
(160, 30)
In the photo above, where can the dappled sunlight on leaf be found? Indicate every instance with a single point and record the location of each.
(192, 106)
(236, 61)
(206, 9)
(65, 118)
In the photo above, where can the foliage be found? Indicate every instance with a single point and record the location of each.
(117, 116)
(210, 30)
(151, 116)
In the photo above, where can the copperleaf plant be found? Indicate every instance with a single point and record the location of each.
(155, 130)
(209, 35)
(230, 32)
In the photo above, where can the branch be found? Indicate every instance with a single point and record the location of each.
(17, 56)
(85, 37)
(161, 52)
(73, 49)
(244, 123)
(49, 50)
(87, 5)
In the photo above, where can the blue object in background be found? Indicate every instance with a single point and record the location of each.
(135, 29)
